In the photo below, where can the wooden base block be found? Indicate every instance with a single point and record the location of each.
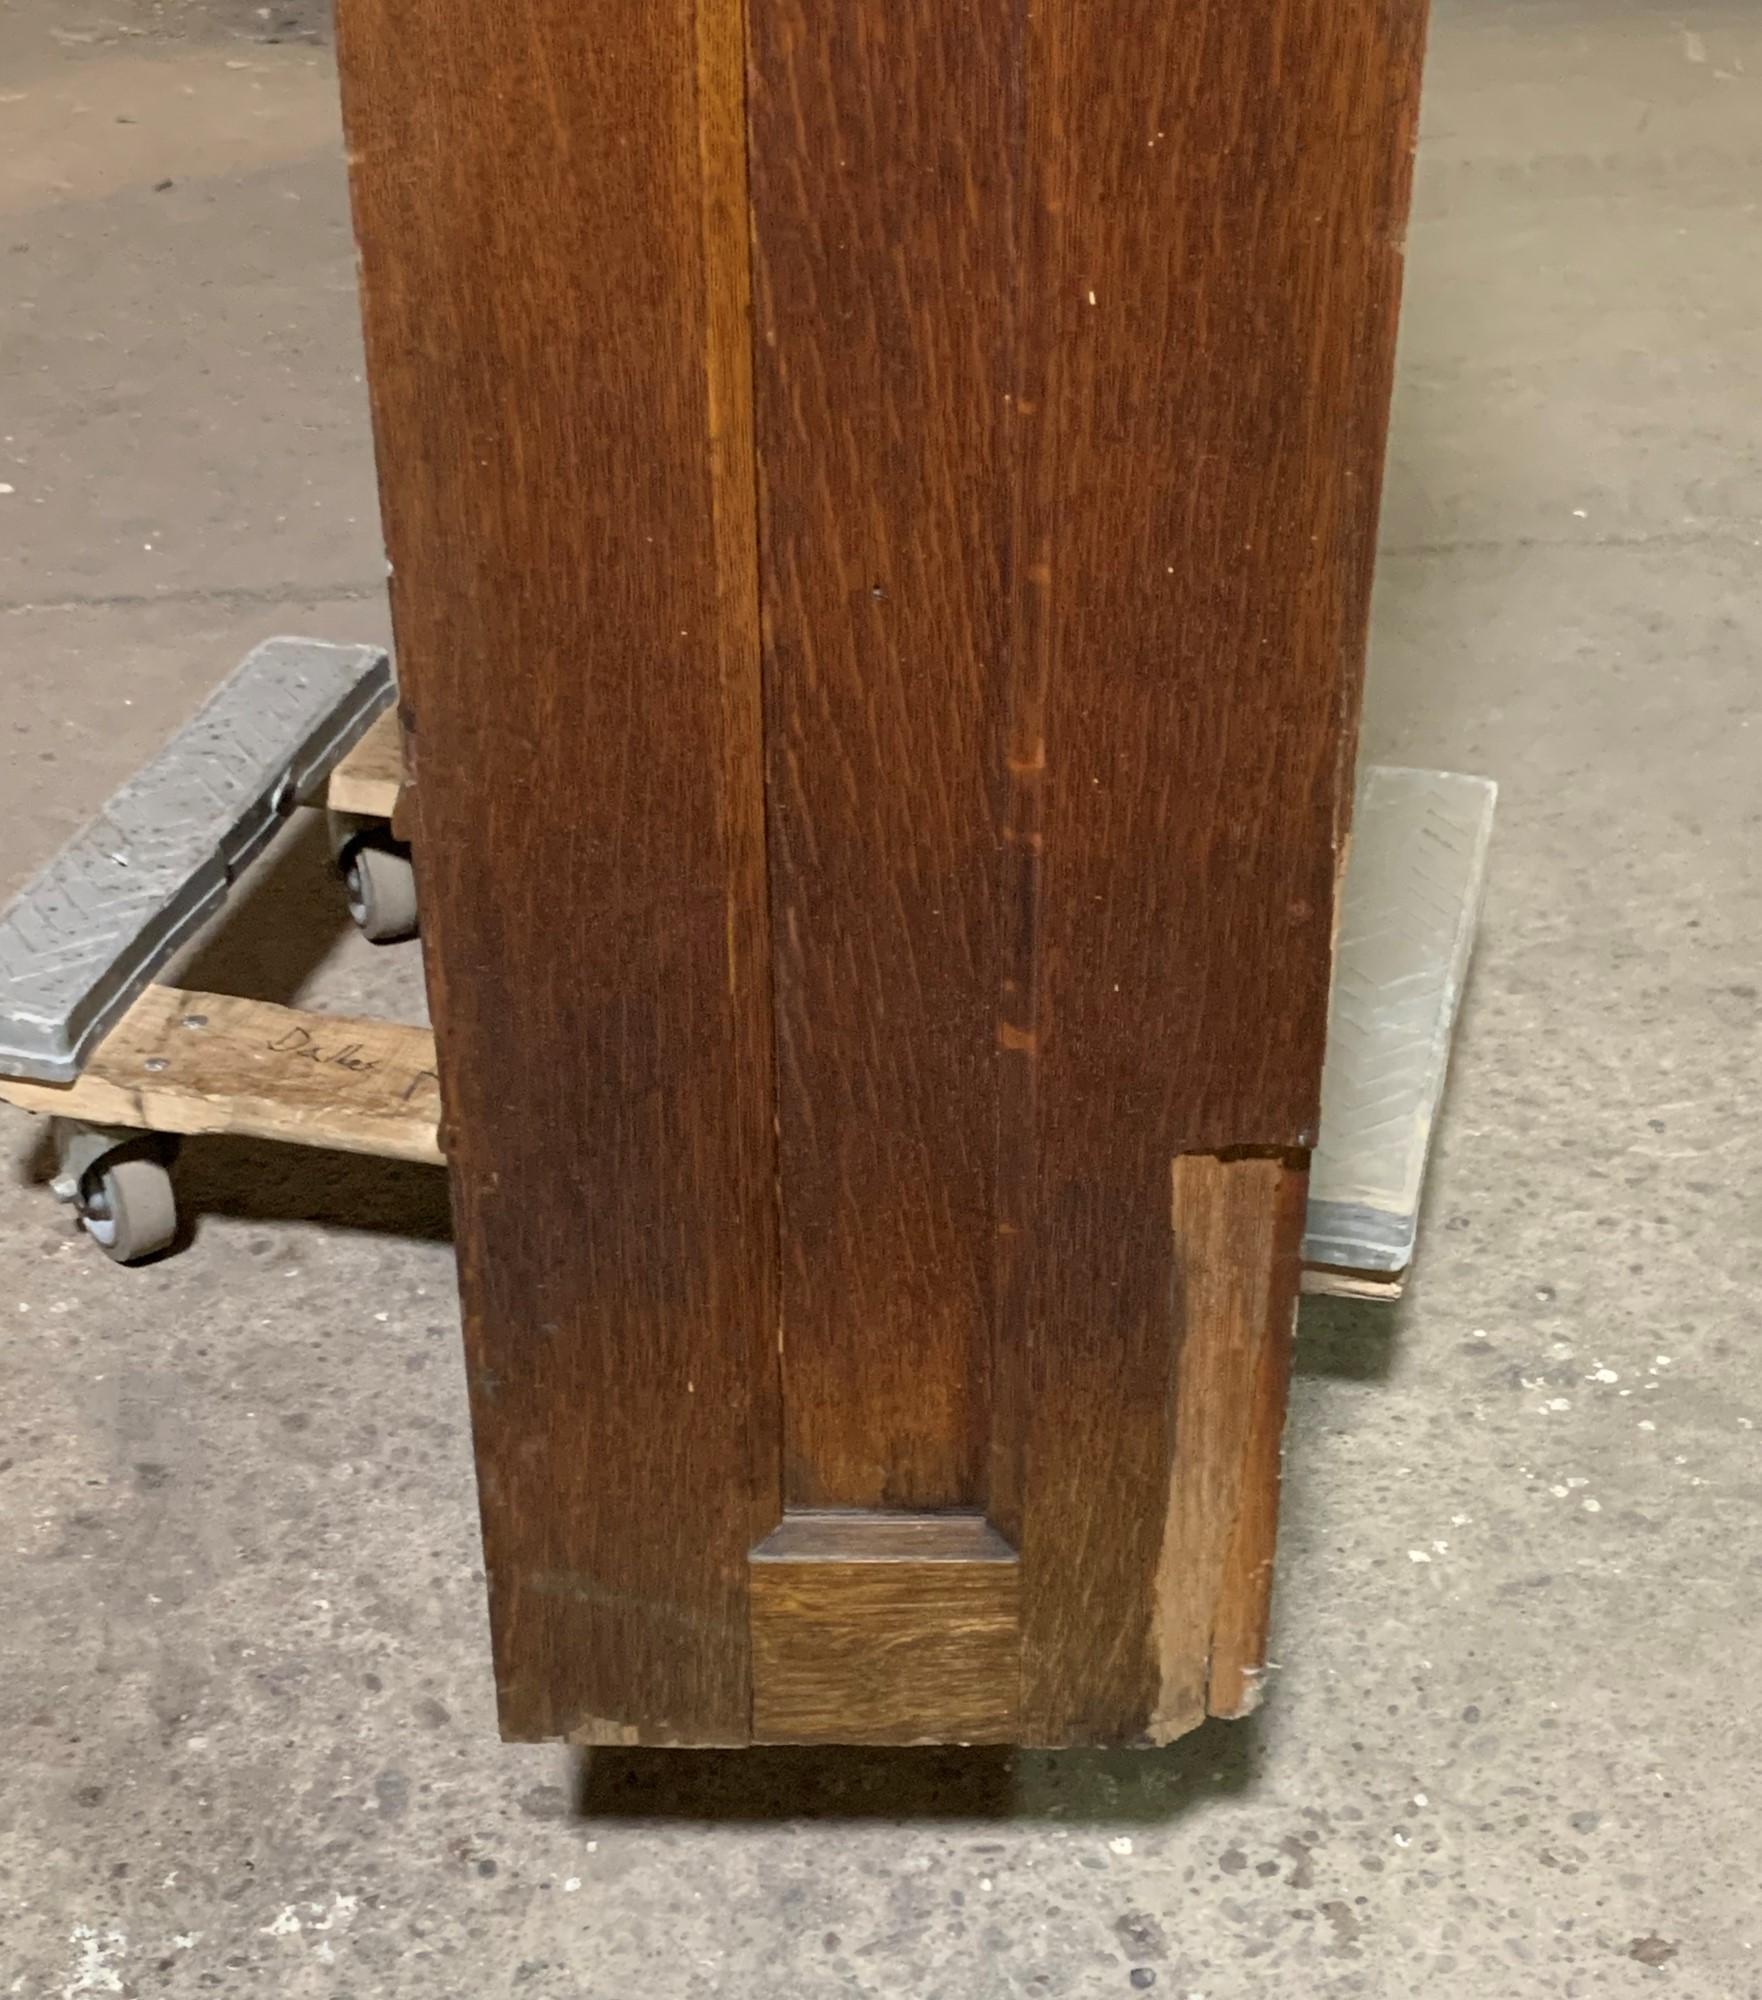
(884, 1628)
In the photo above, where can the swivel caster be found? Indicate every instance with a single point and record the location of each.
(378, 879)
(119, 1184)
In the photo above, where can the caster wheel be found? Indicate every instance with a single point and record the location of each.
(128, 1207)
(381, 887)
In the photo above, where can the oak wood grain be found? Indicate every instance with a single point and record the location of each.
(1052, 461)
(884, 1628)
(550, 202)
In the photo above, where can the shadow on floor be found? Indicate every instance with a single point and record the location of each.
(282, 919)
(259, 1180)
(1351, 1340)
(1119, 1787)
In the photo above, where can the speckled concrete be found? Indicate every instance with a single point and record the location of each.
(1512, 1748)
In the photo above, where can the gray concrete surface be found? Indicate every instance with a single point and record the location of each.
(1511, 1751)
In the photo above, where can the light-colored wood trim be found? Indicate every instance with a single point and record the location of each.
(208, 1062)
(1375, 1287)
(369, 779)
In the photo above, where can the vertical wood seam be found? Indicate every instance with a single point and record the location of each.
(1021, 750)
(766, 802)
(767, 1439)
(729, 349)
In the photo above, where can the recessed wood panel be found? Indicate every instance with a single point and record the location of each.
(882, 182)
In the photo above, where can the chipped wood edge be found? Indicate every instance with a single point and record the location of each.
(1329, 1281)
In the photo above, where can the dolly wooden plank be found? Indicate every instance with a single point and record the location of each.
(1213, 210)
(550, 202)
(882, 248)
(357, 1084)
(884, 1628)
(207, 1062)
(262, 1071)
(370, 779)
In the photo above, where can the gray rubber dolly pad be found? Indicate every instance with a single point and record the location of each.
(90, 932)
(1407, 919)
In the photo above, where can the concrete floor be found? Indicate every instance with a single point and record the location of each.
(245, 1697)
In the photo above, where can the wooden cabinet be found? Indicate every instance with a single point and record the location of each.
(882, 501)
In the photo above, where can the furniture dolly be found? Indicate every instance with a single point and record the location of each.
(124, 1064)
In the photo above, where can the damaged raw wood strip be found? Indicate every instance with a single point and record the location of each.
(207, 1062)
(884, 1628)
(1238, 1228)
